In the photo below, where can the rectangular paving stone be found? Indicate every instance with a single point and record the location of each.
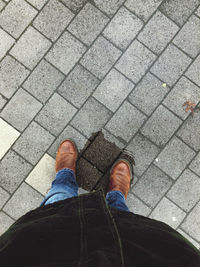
(27, 50)
(6, 42)
(161, 126)
(148, 94)
(88, 24)
(43, 81)
(24, 200)
(33, 143)
(168, 212)
(16, 16)
(152, 186)
(113, 90)
(185, 192)
(5, 222)
(91, 117)
(12, 74)
(108, 7)
(193, 72)
(4, 196)
(66, 52)
(111, 138)
(158, 32)
(2, 4)
(56, 113)
(182, 91)
(53, 19)
(3, 101)
(188, 39)
(198, 12)
(125, 122)
(74, 5)
(191, 240)
(195, 164)
(37, 3)
(22, 105)
(135, 61)
(144, 152)
(78, 86)
(123, 28)
(136, 206)
(170, 65)
(100, 57)
(13, 170)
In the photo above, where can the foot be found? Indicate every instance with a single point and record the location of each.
(120, 177)
(66, 155)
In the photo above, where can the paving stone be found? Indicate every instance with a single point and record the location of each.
(170, 65)
(125, 122)
(144, 152)
(195, 164)
(12, 74)
(37, 3)
(193, 72)
(88, 24)
(5, 44)
(123, 28)
(22, 105)
(100, 57)
(33, 143)
(55, 115)
(108, 7)
(16, 16)
(82, 191)
(111, 138)
(27, 50)
(45, 170)
(5, 222)
(2, 4)
(78, 86)
(185, 192)
(53, 19)
(184, 90)
(137, 206)
(135, 61)
(3, 101)
(91, 117)
(13, 170)
(43, 81)
(69, 132)
(66, 52)
(144, 9)
(155, 128)
(191, 240)
(4, 196)
(158, 32)
(23, 200)
(198, 12)
(168, 212)
(152, 186)
(179, 10)
(113, 90)
(74, 5)
(148, 94)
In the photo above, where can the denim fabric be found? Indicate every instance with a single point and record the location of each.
(65, 186)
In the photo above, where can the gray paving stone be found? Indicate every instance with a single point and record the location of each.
(74, 5)
(111, 138)
(78, 86)
(24, 200)
(66, 52)
(179, 10)
(5, 222)
(6, 42)
(193, 72)
(148, 94)
(27, 50)
(152, 186)
(113, 90)
(144, 8)
(183, 91)
(2, 4)
(108, 7)
(144, 152)
(13, 171)
(123, 28)
(91, 117)
(174, 157)
(43, 81)
(135, 61)
(157, 127)
(170, 65)
(185, 192)
(16, 16)
(4, 196)
(22, 105)
(125, 122)
(53, 19)
(188, 39)
(55, 115)
(191, 240)
(158, 32)
(12, 74)
(2, 101)
(195, 164)
(137, 206)
(198, 12)
(100, 57)
(33, 143)
(88, 24)
(37, 3)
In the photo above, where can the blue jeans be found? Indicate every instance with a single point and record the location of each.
(65, 186)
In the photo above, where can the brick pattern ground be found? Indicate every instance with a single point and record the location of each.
(69, 68)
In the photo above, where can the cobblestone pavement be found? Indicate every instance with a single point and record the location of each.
(71, 67)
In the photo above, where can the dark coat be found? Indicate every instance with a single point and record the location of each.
(84, 231)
